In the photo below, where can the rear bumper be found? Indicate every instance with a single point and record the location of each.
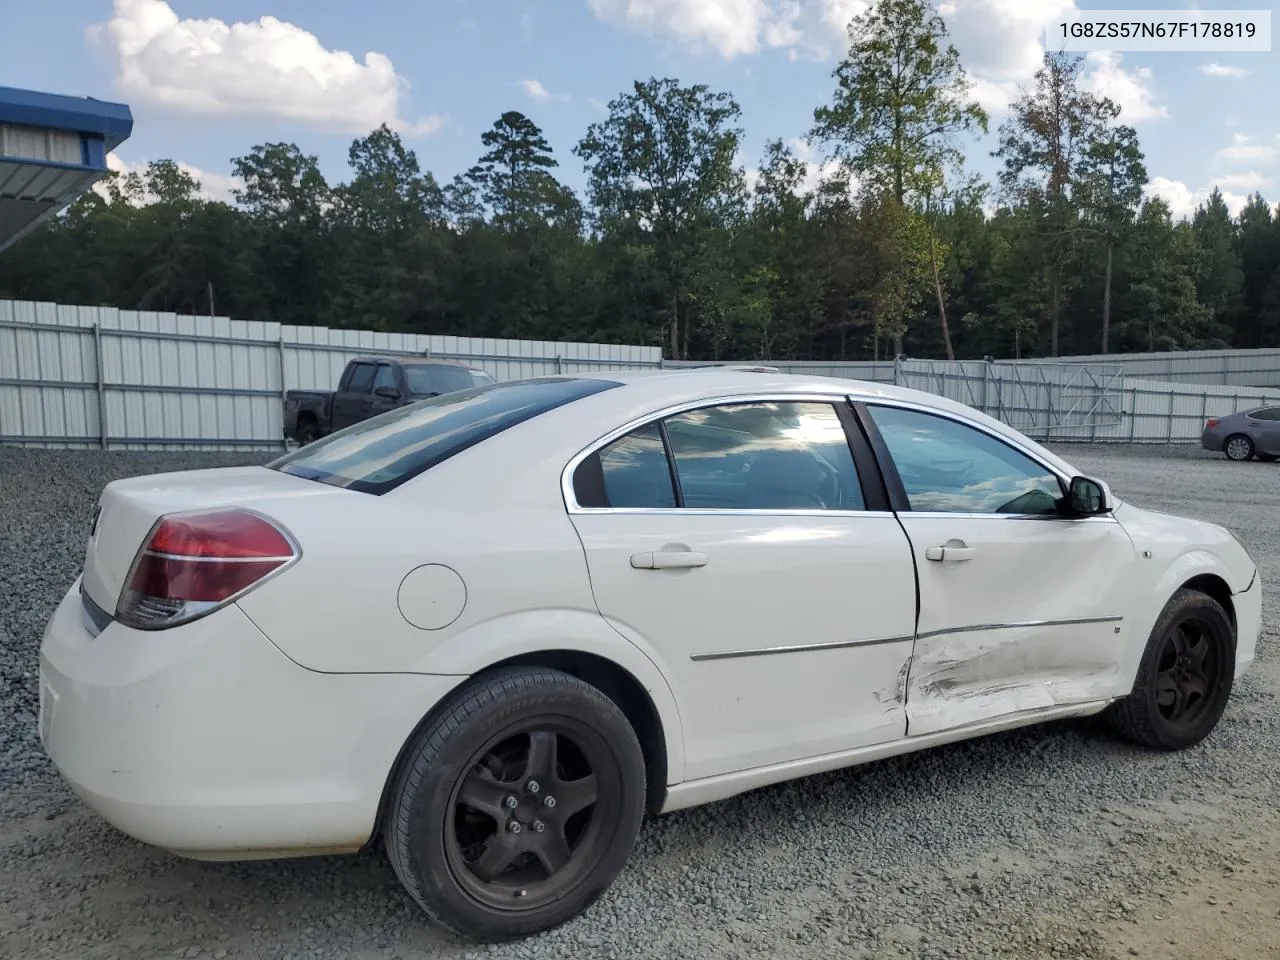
(1211, 441)
(207, 741)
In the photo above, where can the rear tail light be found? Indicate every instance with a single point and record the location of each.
(1210, 423)
(193, 563)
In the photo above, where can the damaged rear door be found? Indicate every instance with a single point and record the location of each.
(1021, 609)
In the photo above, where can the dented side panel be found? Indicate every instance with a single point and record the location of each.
(1035, 617)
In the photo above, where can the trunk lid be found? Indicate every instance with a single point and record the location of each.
(129, 508)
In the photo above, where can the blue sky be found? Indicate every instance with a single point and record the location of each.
(206, 80)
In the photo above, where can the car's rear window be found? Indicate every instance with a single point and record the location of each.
(379, 454)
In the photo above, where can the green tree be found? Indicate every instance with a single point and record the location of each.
(1220, 277)
(1114, 174)
(285, 196)
(1046, 146)
(661, 167)
(1259, 246)
(513, 178)
(901, 100)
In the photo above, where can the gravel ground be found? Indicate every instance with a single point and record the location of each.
(1056, 841)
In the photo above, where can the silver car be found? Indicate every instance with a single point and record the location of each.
(1245, 434)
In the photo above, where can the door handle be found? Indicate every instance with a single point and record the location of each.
(668, 560)
(951, 551)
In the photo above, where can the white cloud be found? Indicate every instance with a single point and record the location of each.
(266, 67)
(731, 27)
(1129, 89)
(1183, 201)
(537, 91)
(1244, 182)
(1245, 151)
(1221, 70)
(1001, 42)
(213, 186)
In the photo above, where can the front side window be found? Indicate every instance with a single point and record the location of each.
(379, 454)
(947, 467)
(384, 377)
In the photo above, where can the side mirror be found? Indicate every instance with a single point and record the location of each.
(1087, 498)
(391, 393)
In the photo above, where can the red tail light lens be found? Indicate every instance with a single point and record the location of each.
(191, 564)
(1210, 423)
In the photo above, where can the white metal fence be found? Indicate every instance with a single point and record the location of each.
(1242, 368)
(1076, 402)
(100, 377)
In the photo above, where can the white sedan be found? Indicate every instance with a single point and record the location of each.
(497, 627)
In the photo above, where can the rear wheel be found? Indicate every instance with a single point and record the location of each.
(518, 805)
(1185, 677)
(1238, 447)
(308, 431)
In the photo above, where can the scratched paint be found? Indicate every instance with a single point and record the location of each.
(965, 678)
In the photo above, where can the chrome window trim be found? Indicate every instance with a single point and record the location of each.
(835, 398)
(810, 396)
(807, 513)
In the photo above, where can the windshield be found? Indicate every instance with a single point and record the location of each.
(425, 379)
(379, 454)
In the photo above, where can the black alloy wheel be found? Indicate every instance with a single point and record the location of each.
(528, 820)
(1185, 678)
(518, 805)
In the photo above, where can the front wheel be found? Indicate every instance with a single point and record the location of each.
(517, 805)
(1238, 447)
(1185, 677)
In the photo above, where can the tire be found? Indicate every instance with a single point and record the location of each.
(308, 432)
(1174, 663)
(1238, 447)
(491, 738)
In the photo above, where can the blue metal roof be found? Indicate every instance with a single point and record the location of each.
(113, 122)
(52, 149)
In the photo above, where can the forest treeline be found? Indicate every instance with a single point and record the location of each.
(897, 248)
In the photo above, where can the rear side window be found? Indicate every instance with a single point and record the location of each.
(1267, 413)
(773, 456)
(631, 473)
(379, 454)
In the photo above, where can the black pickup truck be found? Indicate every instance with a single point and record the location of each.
(370, 386)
